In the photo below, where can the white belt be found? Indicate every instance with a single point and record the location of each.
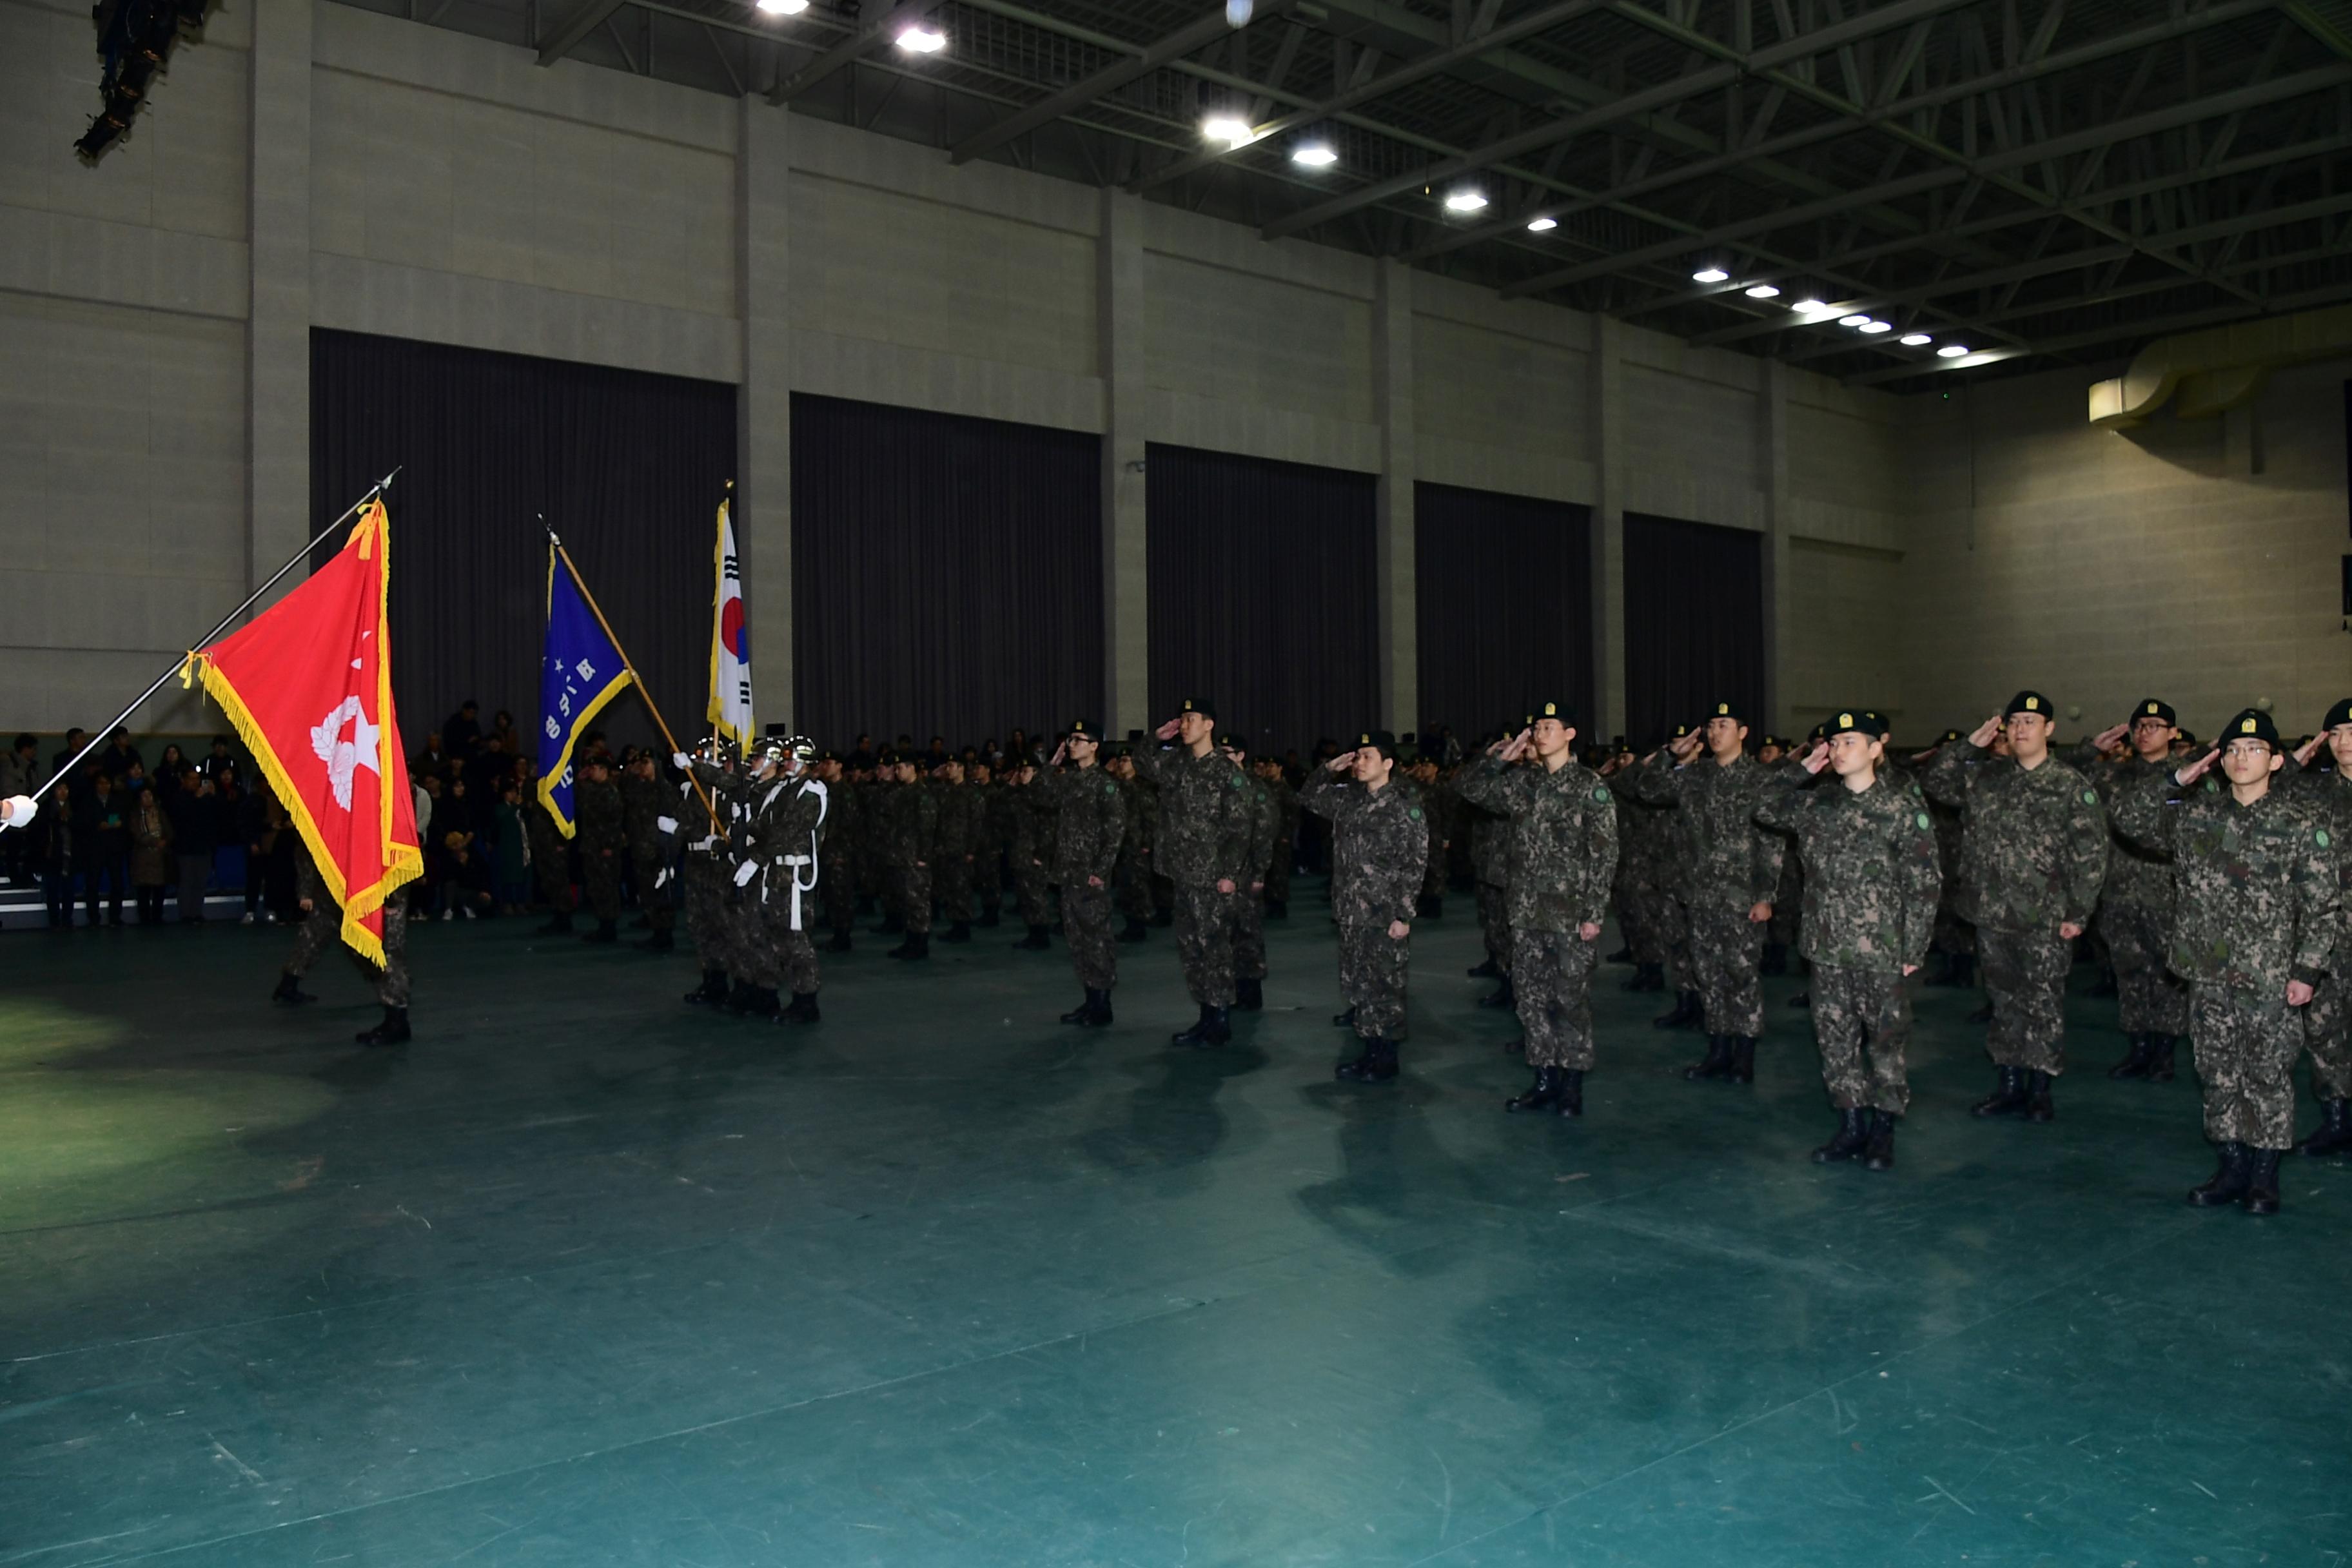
(799, 887)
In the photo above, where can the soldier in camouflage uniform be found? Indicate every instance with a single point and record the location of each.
(598, 821)
(784, 838)
(2136, 906)
(1438, 809)
(957, 848)
(2034, 854)
(1871, 883)
(1133, 898)
(732, 921)
(1490, 864)
(704, 808)
(321, 928)
(911, 841)
(1249, 908)
(1955, 937)
(1205, 820)
(1379, 852)
(1725, 868)
(837, 889)
(1286, 838)
(1090, 825)
(2327, 1022)
(1646, 831)
(1031, 820)
(2257, 918)
(1563, 854)
(551, 863)
(646, 806)
(987, 842)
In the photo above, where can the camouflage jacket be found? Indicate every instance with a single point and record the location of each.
(1563, 839)
(596, 815)
(910, 826)
(1265, 827)
(1286, 818)
(1871, 875)
(956, 833)
(1490, 841)
(644, 804)
(2033, 845)
(2329, 795)
(2257, 897)
(1380, 846)
(1089, 823)
(1718, 854)
(2137, 878)
(1205, 816)
(1645, 832)
(790, 819)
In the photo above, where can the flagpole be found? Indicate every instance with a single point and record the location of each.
(374, 490)
(630, 665)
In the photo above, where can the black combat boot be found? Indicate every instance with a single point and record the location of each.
(991, 917)
(1802, 1000)
(2007, 1097)
(1572, 1092)
(1213, 1029)
(1277, 909)
(2261, 1183)
(1646, 977)
(712, 992)
(893, 924)
(1490, 970)
(2037, 1098)
(392, 1031)
(1345, 1020)
(659, 941)
(761, 1002)
(1377, 1065)
(1622, 955)
(1084, 1012)
(1684, 1013)
(1134, 931)
(1880, 1155)
(606, 931)
(1037, 941)
(1250, 993)
(1505, 997)
(2229, 1181)
(1713, 1065)
(1743, 1061)
(2332, 1136)
(559, 926)
(2161, 1059)
(290, 992)
(803, 1009)
(960, 932)
(918, 946)
(1541, 1095)
(2135, 1062)
(739, 999)
(1775, 960)
(840, 942)
(1853, 1138)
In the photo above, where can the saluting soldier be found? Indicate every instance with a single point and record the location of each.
(1249, 908)
(2327, 1022)
(2033, 853)
(1870, 888)
(1090, 825)
(955, 847)
(1203, 848)
(1132, 898)
(1563, 853)
(1286, 838)
(912, 833)
(1380, 850)
(1033, 840)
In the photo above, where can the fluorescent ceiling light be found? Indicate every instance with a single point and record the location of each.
(921, 41)
(1874, 327)
(1542, 225)
(1763, 291)
(1466, 201)
(1315, 156)
(1710, 275)
(1951, 350)
(1853, 321)
(1917, 340)
(1809, 307)
(783, 7)
(1228, 130)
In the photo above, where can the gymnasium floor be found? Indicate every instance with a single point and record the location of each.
(584, 1276)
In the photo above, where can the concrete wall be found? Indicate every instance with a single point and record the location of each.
(2194, 561)
(422, 184)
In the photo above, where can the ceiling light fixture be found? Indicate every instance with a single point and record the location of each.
(919, 39)
(1542, 225)
(1853, 321)
(1951, 350)
(1710, 274)
(1466, 201)
(1763, 291)
(1917, 340)
(1809, 307)
(783, 7)
(1315, 155)
(1874, 327)
(1227, 129)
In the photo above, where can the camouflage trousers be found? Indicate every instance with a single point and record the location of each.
(1725, 949)
(1134, 878)
(1494, 923)
(1653, 926)
(1788, 904)
(2245, 1043)
(1249, 935)
(954, 881)
(552, 871)
(1034, 893)
(1371, 978)
(745, 938)
(914, 889)
(1953, 936)
(1085, 920)
(653, 889)
(2149, 998)
(1277, 875)
(1553, 977)
(323, 927)
(988, 882)
(600, 879)
(2328, 1035)
(837, 890)
(787, 958)
(705, 894)
(2025, 975)
(1204, 942)
(1861, 1020)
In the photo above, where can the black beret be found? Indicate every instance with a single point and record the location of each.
(2154, 707)
(2030, 702)
(1855, 721)
(1551, 708)
(2339, 714)
(1086, 728)
(1201, 705)
(1379, 741)
(1727, 708)
(2251, 723)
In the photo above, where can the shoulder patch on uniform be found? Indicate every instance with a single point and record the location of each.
(1414, 812)
(1602, 794)
(1925, 821)
(2090, 798)
(2324, 839)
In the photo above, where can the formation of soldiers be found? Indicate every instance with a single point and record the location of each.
(2216, 888)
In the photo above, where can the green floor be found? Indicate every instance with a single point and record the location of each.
(586, 1276)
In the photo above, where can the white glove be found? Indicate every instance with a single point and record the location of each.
(19, 811)
(665, 824)
(745, 872)
(680, 760)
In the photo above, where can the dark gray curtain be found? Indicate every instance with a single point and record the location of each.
(628, 468)
(1504, 590)
(1694, 622)
(1262, 593)
(947, 573)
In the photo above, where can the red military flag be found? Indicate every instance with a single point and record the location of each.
(309, 685)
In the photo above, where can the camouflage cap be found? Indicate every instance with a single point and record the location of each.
(2251, 724)
(2338, 716)
(2030, 702)
(1854, 722)
(2154, 707)
(1379, 741)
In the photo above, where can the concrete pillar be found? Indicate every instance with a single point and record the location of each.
(1398, 631)
(1119, 295)
(277, 324)
(1773, 433)
(763, 452)
(1607, 370)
